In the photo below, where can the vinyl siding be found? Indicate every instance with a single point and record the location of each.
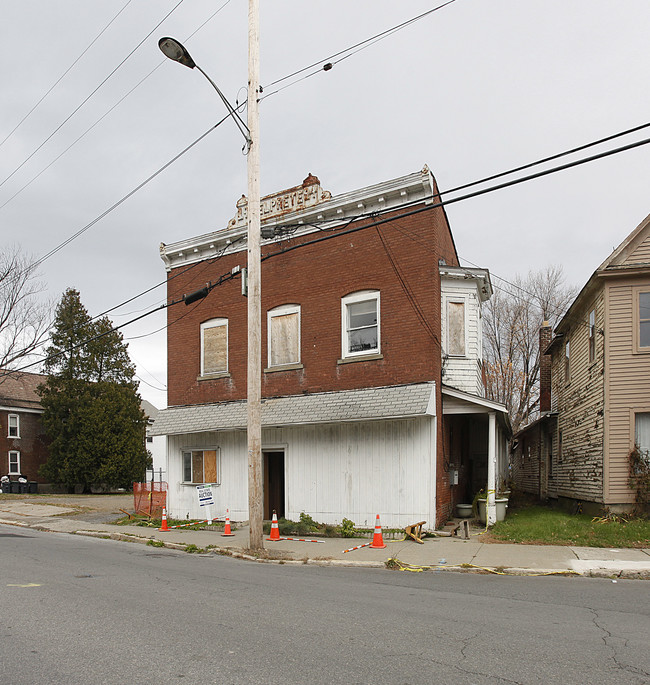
(628, 377)
(641, 254)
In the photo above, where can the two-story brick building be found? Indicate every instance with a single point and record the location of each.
(596, 389)
(23, 444)
(356, 335)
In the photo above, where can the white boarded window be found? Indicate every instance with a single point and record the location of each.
(214, 347)
(360, 323)
(456, 329)
(201, 466)
(284, 335)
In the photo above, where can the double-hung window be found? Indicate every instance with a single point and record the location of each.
(214, 347)
(642, 320)
(201, 466)
(284, 335)
(14, 426)
(14, 462)
(360, 325)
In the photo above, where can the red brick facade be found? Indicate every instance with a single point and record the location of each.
(400, 259)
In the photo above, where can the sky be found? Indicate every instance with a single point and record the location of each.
(472, 89)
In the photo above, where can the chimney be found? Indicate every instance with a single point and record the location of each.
(545, 338)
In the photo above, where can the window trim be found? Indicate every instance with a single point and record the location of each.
(17, 417)
(17, 460)
(354, 298)
(206, 325)
(189, 450)
(636, 318)
(283, 310)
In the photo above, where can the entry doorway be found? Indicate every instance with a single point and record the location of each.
(273, 483)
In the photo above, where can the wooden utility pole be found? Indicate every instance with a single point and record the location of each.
(254, 389)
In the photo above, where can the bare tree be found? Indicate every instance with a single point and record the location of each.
(24, 317)
(511, 323)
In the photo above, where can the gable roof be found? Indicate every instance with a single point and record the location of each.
(632, 256)
(18, 389)
(368, 404)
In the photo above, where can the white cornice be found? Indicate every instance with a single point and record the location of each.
(337, 210)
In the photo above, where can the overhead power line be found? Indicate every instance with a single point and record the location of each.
(74, 111)
(108, 111)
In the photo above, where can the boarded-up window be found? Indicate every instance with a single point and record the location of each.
(284, 335)
(214, 346)
(456, 332)
(567, 362)
(200, 466)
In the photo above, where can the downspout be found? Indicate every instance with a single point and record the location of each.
(492, 459)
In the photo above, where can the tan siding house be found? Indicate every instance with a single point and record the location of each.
(600, 388)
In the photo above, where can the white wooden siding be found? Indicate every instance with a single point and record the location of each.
(463, 372)
(351, 470)
(641, 254)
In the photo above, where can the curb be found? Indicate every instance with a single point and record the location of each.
(624, 574)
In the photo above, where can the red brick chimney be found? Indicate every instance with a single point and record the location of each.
(545, 338)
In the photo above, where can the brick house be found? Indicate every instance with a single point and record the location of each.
(355, 333)
(23, 445)
(595, 398)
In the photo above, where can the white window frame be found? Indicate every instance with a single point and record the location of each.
(17, 426)
(206, 325)
(592, 335)
(16, 460)
(456, 300)
(354, 298)
(283, 310)
(189, 450)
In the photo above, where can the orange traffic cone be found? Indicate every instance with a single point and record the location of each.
(377, 538)
(164, 525)
(226, 530)
(275, 531)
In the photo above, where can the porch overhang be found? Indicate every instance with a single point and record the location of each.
(459, 402)
(366, 404)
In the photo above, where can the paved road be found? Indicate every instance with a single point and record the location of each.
(79, 610)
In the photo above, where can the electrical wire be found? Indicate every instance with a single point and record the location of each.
(56, 83)
(58, 128)
(119, 102)
(326, 63)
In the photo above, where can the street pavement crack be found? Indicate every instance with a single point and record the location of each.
(609, 641)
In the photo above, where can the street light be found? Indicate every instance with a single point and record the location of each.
(174, 50)
(171, 48)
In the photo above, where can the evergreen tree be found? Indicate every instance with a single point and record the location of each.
(91, 404)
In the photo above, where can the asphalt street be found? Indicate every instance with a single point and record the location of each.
(83, 610)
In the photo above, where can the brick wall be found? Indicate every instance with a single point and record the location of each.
(32, 445)
(316, 277)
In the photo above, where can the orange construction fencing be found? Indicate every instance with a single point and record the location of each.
(150, 498)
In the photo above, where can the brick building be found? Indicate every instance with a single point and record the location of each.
(23, 445)
(354, 338)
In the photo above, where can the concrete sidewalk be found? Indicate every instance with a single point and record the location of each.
(439, 553)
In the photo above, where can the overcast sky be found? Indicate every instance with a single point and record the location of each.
(473, 89)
